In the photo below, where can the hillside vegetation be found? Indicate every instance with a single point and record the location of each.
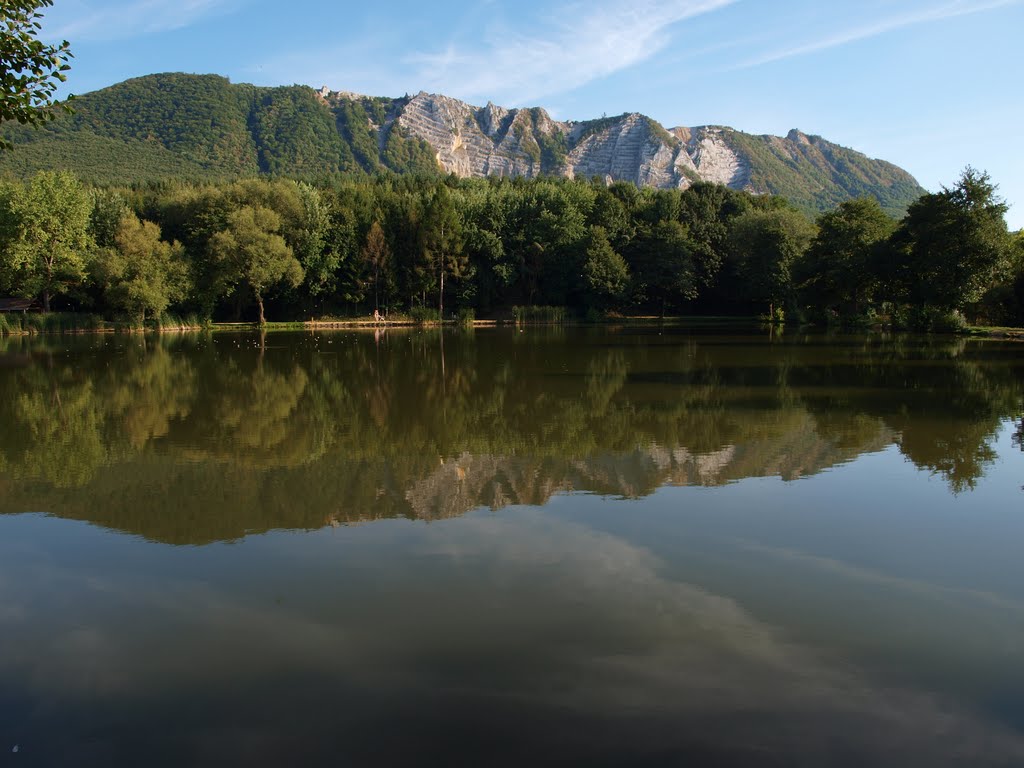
(203, 128)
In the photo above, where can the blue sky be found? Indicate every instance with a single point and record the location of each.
(931, 85)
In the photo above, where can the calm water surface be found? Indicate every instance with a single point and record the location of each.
(552, 547)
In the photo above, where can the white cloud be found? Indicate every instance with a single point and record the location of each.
(572, 47)
(569, 46)
(121, 20)
(947, 10)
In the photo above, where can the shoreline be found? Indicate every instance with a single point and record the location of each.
(981, 332)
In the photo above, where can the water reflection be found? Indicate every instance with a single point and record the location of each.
(191, 440)
(494, 640)
(655, 611)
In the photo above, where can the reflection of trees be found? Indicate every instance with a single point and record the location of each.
(63, 422)
(157, 388)
(254, 415)
(62, 426)
(945, 399)
(197, 441)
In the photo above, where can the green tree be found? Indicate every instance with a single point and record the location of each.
(141, 274)
(314, 246)
(707, 210)
(952, 245)
(605, 274)
(839, 268)
(545, 229)
(343, 240)
(51, 244)
(663, 266)
(766, 243)
(609, 212)
(29, 69)
(251, 251)
(108, 210)
(376, 256)
(442, 243)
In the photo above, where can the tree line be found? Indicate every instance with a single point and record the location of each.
(434, 247)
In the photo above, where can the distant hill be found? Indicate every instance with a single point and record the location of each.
(203, 127)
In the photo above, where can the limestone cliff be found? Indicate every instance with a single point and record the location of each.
(815, 174)
(494, 141)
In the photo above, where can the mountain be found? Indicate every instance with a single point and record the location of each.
(204, 127)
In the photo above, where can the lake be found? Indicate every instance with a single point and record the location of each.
(547, 546)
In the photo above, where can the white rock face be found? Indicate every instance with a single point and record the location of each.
(478, 141)
(494, 141)
(715, 161)
(628, 150)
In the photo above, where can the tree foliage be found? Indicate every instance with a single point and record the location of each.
(605, 273)
(30, 70)
(351, 245)
(952, 244)
(47, 223)
(376, 255)
(250, 251)
(141, 274)
(441, 244)
(766, 243)
(663, 265)
(838, 271)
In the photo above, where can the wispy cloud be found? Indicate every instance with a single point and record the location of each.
(574, 46)
(947, 10)
(121, 20)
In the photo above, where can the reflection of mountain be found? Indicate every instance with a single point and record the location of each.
(194, 441)
(471, 481)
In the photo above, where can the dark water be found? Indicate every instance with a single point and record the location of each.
(553, 547)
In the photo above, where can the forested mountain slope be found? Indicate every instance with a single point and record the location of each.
(202, 127)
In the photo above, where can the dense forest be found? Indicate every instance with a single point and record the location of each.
(435, 247)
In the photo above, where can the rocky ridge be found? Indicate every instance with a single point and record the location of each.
(471, 141)
(494, 141)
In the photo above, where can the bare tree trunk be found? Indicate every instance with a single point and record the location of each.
(46, 290)
(259, 301)
(440, 297)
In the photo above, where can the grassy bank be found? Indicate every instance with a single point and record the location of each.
(31, 323)
(55, 323)
(995, 332)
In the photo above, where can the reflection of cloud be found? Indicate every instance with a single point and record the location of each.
(912, 586)
(578, 638)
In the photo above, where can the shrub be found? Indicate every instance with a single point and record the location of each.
(424, 315)
(553, 315)
(934, 319)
